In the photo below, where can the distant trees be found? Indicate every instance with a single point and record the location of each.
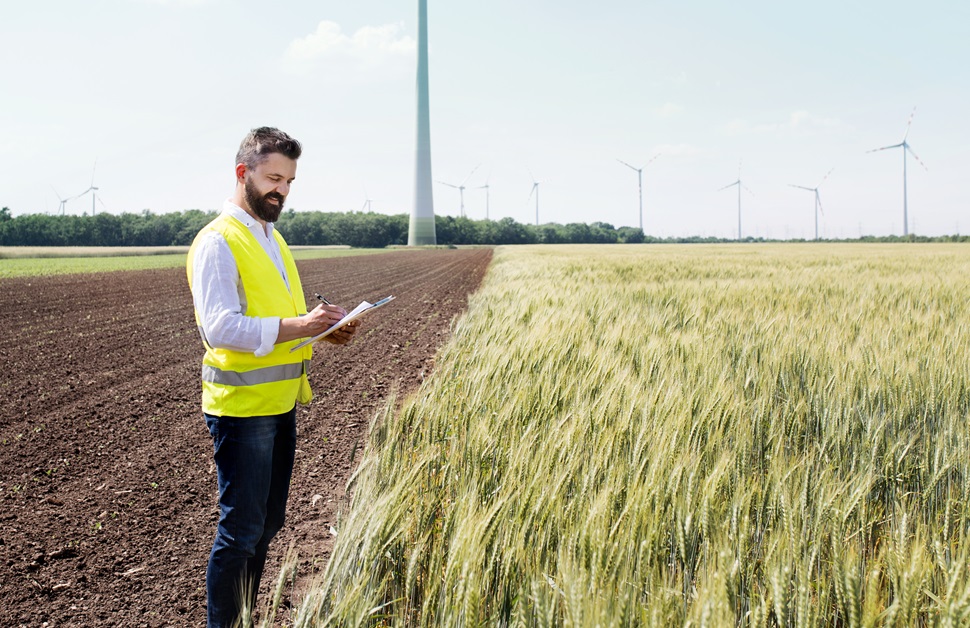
(357, 229)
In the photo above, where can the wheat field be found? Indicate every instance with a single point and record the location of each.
(749, 435)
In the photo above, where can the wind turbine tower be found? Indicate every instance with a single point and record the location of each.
(740, 185)
(461, 189)
(93, 190)
(485, 187)
(818, 201)
(535, 190)
(639, 172)
(905, 146)
(63, 201)
(421, 228)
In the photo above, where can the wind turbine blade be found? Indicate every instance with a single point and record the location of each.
(102, 203)
(93, 170)
(532, 191)
(729, 185)
(747, 189)
(874, 150)
(448, 184)
(56, 193)
(917, 157)
(909, 123)
(471, 173)
(818, 199)
(653, 159)
(628, 165)
(801, 187)
(824, 178)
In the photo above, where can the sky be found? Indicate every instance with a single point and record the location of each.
(152, 98)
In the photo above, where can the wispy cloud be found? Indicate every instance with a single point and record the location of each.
(367, 48)
(801, 122)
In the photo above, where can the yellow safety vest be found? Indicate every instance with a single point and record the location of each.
(237, 383)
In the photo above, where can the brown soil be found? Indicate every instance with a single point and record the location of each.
(107, 487)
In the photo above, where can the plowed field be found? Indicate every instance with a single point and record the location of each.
(107, 487)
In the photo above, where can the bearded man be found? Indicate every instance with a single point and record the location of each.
(251, 310)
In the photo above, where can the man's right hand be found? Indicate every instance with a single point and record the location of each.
(316, 321)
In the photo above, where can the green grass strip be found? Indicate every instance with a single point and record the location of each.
(87, 262)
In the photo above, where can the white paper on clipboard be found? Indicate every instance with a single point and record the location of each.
(356, 313)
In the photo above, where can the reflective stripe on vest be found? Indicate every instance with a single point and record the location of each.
(264, 375)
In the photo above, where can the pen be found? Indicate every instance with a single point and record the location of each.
(322, 298)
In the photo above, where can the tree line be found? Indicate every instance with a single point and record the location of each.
(356, 229)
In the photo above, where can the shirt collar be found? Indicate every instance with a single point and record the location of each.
(240, 214)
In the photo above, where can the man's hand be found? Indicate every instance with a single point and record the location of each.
(316, 321)
(343, 335)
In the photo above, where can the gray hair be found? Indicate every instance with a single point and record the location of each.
(265, 141)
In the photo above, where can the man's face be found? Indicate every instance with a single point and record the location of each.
(268, 184)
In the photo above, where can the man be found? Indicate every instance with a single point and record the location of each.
(250, 310)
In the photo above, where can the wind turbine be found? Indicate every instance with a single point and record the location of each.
(63, 201)
(906, 147)
(93, 190)
(535, 190)
(367, 201)
(485, 187)
(640, 182)
(740, 185)
(818, 201)
(461, 188)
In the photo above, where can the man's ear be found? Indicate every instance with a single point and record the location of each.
(240, 172)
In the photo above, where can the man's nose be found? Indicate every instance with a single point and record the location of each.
(283, 188)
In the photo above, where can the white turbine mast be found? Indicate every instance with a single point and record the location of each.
(367, 201)
(62, 201)
(906, 147)
(818, 200)
(461, 189)
(535, 190)
(639, 172)
(740, 185)
(93, 190)
(485, 187)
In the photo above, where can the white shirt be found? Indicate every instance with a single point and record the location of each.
(218, 292)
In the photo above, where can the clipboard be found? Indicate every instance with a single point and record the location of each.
(356, 313)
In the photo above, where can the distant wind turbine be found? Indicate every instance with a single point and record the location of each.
(740, 185)
(93, 190)
(818, 201)
(485, 187)
(63, 201)
(906, 147)
(367, 202)
(640, 181)
(461, 188)
(535, 190)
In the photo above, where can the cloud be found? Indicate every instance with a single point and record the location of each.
(368, 48)
(798, 122)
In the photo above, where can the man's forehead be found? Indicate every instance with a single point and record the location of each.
(276, 163)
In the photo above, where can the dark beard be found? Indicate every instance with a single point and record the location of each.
(260, 205)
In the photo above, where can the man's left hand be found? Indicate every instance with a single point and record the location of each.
(343, 335)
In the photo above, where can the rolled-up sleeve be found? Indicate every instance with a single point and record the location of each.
(220, 301)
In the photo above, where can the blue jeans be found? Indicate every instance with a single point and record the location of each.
(254, 459)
